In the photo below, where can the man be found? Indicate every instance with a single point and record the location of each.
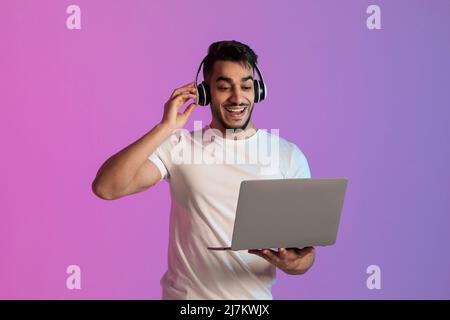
(204, 193)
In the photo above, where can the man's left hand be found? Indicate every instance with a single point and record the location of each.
(291, 260)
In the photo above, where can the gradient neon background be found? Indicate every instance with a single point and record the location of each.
(371, 105)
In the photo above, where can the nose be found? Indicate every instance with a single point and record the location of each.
(236, 95)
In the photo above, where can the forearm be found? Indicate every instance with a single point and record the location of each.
(119, 170)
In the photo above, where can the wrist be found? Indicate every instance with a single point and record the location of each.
(165, 127)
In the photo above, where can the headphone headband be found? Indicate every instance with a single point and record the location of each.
(198, 71)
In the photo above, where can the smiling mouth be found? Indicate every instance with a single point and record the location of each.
(235, 112)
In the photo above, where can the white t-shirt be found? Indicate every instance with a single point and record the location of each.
(204, 171)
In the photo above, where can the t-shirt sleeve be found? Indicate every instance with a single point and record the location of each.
(155, 157)
(162, 158)
(298, 165)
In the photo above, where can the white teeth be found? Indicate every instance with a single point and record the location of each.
(235, 110)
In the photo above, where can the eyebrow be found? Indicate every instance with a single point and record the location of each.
(229, 80)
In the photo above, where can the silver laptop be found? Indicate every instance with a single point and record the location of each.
(285, 213)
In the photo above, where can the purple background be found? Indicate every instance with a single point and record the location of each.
(371, 105)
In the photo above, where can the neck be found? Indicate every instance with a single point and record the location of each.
(236, 134)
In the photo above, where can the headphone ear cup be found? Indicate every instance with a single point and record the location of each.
(260, 90)
(203, 94)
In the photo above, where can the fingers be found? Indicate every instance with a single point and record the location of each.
(181, 99)
(310, 249)
(187, 112)
(273, 257)
(186, 86)
(268, 254)
(282, 252)
(185, 96)
(306, 250)
(192, 91)
(190, 87)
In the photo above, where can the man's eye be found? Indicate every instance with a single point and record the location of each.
(247, 88)
(224, 88)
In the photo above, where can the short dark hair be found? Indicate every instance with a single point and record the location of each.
(229, 51)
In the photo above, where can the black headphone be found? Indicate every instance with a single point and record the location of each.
(204, 94)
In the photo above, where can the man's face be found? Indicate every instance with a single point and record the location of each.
(232, 94)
